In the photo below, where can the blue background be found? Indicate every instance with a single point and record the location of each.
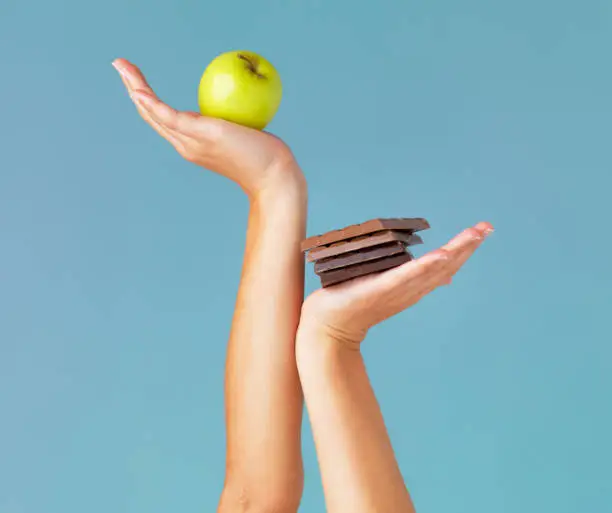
(496, 391)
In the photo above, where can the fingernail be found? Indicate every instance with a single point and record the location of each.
(488, 232)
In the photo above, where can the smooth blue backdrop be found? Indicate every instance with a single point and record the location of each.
(114, 316)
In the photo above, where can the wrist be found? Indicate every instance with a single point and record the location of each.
(322, 360)
(285, 182)
(316, 342)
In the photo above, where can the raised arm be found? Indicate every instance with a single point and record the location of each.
(263, 393)
(358, 466)
(357, 462)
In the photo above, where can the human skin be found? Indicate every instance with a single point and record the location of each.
(264, 471)
(358, 467)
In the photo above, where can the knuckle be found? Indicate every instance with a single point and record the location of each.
(171, 121)
(441, 256)
(189, 156)
(474, 234)
(186, 152)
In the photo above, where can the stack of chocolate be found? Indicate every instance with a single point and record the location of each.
(361, 249)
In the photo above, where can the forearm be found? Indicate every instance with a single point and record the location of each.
(358, 467)
(263, 392)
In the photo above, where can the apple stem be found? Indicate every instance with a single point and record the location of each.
(250, 64)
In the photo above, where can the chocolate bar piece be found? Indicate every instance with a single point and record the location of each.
(359, 257)
(356, 230)
(354, 271)
(365, 241)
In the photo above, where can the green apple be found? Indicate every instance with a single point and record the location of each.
(241, 87)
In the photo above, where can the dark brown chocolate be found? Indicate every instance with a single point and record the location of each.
(354, 271)
(359, 257)
(372, 226)
(365, 241)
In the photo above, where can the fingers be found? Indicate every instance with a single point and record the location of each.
(412, 292)
(430, 263)
(465, 244)
(133, 76)
(160, 128)
(142, 94)
(459, 250)
(189, 124)
(478, 232)
(460, 256)
(436, 260)
(166, 121)
(134, 80)
(438, 266)
(457, 259)
(167, 117)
